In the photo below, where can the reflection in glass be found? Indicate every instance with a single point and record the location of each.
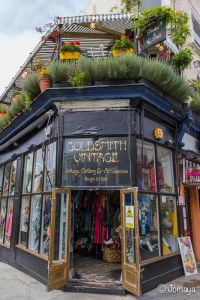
(38, 172)
(169, 224)
(165, 170)
(50, 166)
(24, 222)
(6, 180)
(146, 166)
(28, 173)
(13, 177)
(1, 180)
(130, 231)
(46, 219)
(60, 226)
(148, 226)
(3, 207)
(9, 220)
(34, 232)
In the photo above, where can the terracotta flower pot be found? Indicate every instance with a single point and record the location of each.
(2, 114)
(44, 82)
(117, 52)
(69, 55)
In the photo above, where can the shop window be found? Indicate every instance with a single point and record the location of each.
(13, 177)
(3, 218)
(34, 231)
(130, 234)
(165, 170)
(50, 167)
(6, 180)
(38, 172)
(24, 222)
(148, 226)
(27, 180)
(46, 218)
(1, 180)
(168, 224)
(146, 166)
(8, 229)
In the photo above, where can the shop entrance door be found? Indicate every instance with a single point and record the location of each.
(58, 260)
(130, 241)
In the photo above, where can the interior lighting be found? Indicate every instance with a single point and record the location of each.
(161, 48)
(92, 25)
(157, 45)
(24, 74)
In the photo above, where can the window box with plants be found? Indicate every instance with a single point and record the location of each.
(122, 46)
(70, 50)
(44, 79)
(2, 111)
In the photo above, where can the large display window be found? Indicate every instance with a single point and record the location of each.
(27, 179)
(165, 170)
(50, 167)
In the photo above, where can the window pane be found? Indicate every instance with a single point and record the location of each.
(6, 179)
(34, 232)
(24, 223)
(130, 231)
(51, 167)
(9, 220)
(3, 207)
(38, 172)
(148, 226)
(1, 180)
(169, 224)
(46, 218)
(28, 173)
(165, 170)
(146, 170)
(13, 177)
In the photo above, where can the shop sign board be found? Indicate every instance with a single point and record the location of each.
(191, 173)
(154, 34)
(96, 162)
(187, 255)
(130, 216)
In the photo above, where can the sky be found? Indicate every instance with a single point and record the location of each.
(18, 37)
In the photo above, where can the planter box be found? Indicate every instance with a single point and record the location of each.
(65, 84)
(69, 55)
(114, 81)
(117, 52)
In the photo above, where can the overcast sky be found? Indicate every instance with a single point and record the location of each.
(18, 37)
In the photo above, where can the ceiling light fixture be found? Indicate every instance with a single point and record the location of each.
(161, 48)
(92, 25)
(157, 45)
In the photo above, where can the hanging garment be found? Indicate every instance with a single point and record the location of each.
(9, 222)
(97, 222)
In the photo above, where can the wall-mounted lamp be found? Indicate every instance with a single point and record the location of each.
(92, 25)
(157, 45)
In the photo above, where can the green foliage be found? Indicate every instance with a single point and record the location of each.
(78, 79)
(2, 108)
(183, 58)
(44, 71)
(126, 6)
(30, 85)
(58, 70)
(69, 48)
(15, 93)
(176, 20)
(122, 44)
(195, 95)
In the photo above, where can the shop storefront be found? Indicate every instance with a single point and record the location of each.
(100, 194)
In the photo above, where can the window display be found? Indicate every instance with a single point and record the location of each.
(148, 226)
(9, 220)
(24, 222)
(34, 232)
(38, 172)
(13, 177)
(146, 166)
(168, 224)
(27, 180)
(6, 179)
(1, 179)
(3, 207)
(50, 166)
(46, 219)
(165, 170)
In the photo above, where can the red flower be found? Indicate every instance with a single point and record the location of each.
(56, 33)
(77, 43)
(126, 37)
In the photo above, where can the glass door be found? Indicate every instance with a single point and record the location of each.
(58, 260)
(130, 241)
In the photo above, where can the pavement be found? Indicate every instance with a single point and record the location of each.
(15, 285)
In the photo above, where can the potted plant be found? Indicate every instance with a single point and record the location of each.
(37, 65)
(15, 94)
(70, 50)
(122, 46)
(2, 111)
(44, 79)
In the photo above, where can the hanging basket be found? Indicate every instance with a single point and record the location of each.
(44, 82)
(69, 55)
(117, 52)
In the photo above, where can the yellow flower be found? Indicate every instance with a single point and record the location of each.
(102, 46)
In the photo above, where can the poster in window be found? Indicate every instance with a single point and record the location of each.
(187, 255)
